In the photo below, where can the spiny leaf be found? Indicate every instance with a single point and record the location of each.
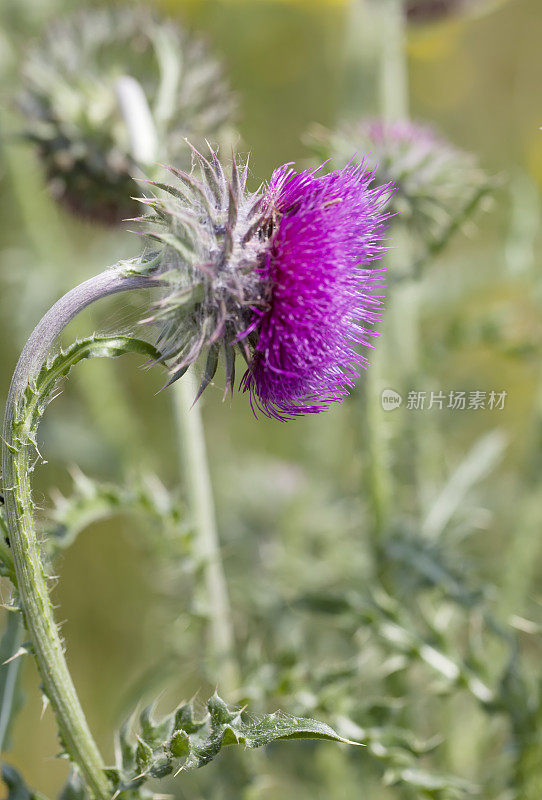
(199, 741)
(179, 744)
(43, 389)
(144, 756)
(153, 732)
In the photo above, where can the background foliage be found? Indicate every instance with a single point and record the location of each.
(421, 639)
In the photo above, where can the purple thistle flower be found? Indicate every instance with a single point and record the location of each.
(281, 275)
(319, 297)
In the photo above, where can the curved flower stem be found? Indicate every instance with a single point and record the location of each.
(53, 252)
(191, 439)
(30, 575)
(195, 467)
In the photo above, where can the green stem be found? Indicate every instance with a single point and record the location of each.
(195, 467)
(30, 574)
(393, 100)
(393, 64)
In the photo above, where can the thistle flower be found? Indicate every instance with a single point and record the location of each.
(436, 183)
(320, 301)
(70, 100)
(279, 275)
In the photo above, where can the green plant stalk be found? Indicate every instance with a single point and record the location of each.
(31, 580)
(393, 101)
(189, 424)
(394, 93)
(195, 468)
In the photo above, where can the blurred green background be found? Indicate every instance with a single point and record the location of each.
(290, 497)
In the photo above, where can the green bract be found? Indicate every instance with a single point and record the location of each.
(212, 234)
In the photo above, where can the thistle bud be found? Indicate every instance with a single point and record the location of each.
(70, 98)
(436, 183)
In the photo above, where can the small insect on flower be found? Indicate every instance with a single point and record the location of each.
(287, 275)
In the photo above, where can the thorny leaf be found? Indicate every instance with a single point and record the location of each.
(159, 747)
(43, 389)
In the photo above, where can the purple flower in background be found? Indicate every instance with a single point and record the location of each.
(320, 300)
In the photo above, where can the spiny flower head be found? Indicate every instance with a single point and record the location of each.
(435, 182)
(70, 97)
(280, 274)
(213, 233)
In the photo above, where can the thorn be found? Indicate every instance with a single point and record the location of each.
(22, 651)
(44, 705)
(9, 608)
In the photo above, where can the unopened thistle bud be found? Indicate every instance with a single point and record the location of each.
(435, 181)
(282, 275)
(70, 98)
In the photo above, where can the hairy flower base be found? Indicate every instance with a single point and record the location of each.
(320, 301)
